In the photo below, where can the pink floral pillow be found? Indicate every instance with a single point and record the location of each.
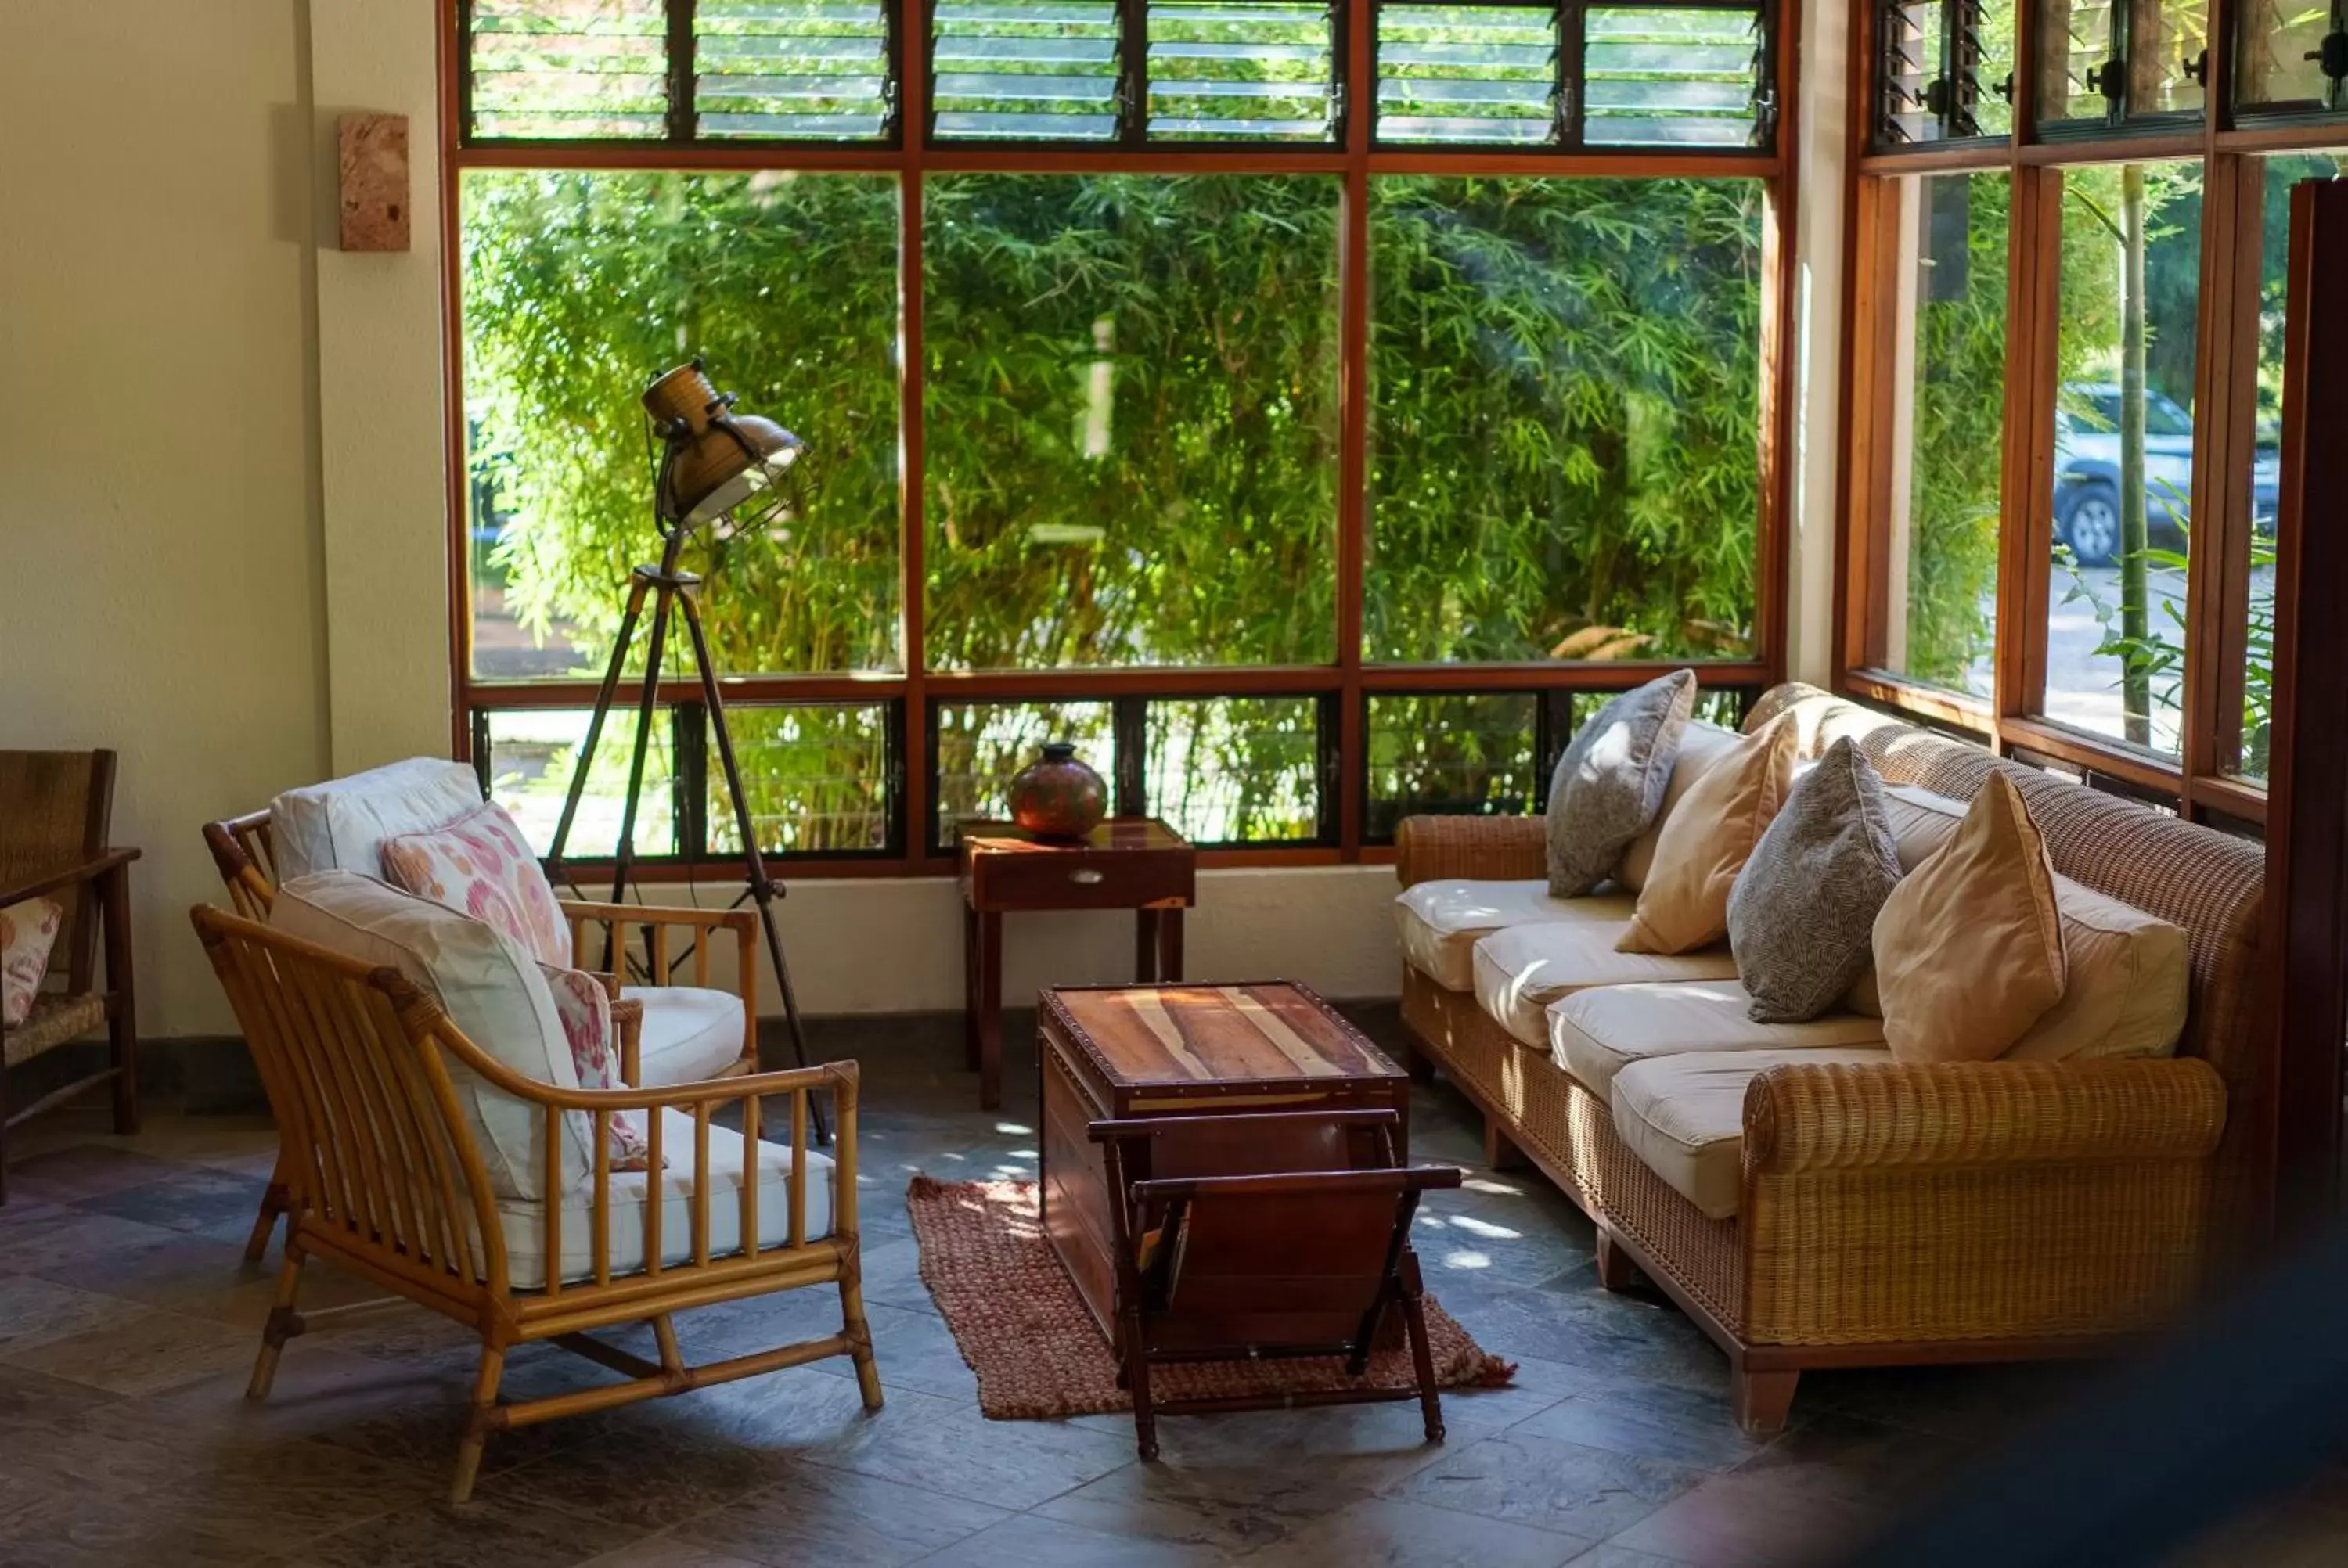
(585, 1010)
(480, 864)
(27, 932)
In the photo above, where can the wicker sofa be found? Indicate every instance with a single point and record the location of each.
(1885, 1213)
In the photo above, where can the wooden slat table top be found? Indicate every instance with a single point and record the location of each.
(1122, 834)
(1263, 1032)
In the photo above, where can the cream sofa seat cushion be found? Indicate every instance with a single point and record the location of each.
(1683, 1116)
(1700, 746)
(489, 988)
(340, 824)
(691, 1033)
(1441, 922)
(524, 1224)
(1593, 1035)
(1519, 972)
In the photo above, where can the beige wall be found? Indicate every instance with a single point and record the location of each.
(239, 581)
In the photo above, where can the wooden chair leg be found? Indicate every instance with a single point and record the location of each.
(1136, 1379)
(1500, 1151)
(284, 1324)
(859, 1332)
(122, 1011)
(1762, 1399)
(275, 1199)
(1422, 1354)
(1615, 1269)
(476, 1428)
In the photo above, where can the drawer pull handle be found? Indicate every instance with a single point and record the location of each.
(1086, 877)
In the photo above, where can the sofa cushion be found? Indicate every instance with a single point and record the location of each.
(690, 1034)
(1519, 971)
(1609, 785)
(1801, 917)
(1921, 821)
(1706, 842)
(1683, 1116)
(2126, 994)
(340, 824)
(482, 865)
(1441, 922)
(1969, 947)
(491, 990)
(524, 1224)
(1701, 745)
(1595, 1034)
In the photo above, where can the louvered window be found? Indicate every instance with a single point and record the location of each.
(568, 70)
(1252, 70)
(1025, 70)
(1944, 69)
(791, 70)
(1467, 73)
(1671, 75)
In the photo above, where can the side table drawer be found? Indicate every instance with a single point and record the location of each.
(1076, 879)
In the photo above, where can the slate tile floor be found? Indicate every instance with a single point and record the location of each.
(128, 1323)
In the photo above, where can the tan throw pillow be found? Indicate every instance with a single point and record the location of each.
(1707, 841)
(1969, 947)
(1700, 746)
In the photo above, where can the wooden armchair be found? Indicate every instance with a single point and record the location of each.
(665, 936)
(1304, 1258)
(385, 1177)
(55, 810)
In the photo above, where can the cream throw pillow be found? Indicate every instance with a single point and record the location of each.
(1707, 841)
(1969, 947)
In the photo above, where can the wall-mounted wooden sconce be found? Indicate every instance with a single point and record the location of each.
(373, 149)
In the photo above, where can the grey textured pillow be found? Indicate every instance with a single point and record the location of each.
(1801, 917)
(1610, 783)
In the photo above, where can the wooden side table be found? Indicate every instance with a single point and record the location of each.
(1125, 863)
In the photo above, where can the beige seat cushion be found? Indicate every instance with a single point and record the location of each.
(1684, 905)
(1968, 946)
(1701, 745)
(1683, 1116)
(1595, 1034)
(691, 1033)
(1441, 922)
(1522, 970)
(524, 1224)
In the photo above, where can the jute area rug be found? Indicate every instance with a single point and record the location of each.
(1024, 1331)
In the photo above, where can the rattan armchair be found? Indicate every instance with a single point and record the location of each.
(56, 813)
(241, 850)
(383, 1176)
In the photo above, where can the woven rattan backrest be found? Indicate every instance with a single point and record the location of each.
(364, 1105)
(2210, 882)
(56, 808)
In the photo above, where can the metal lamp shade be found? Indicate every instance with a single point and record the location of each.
(716, 458)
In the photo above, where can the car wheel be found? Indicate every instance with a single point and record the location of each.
(2089, 521)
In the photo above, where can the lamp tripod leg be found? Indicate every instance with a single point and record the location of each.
(624, 853)
(762, 889)
(603, 696)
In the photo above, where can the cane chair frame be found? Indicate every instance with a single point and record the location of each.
(384, 1179)
(244, 850)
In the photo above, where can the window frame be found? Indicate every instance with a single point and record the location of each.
(2201, 782)
(1344, 687)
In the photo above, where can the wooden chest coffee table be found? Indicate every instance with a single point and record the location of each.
(1126, 1051)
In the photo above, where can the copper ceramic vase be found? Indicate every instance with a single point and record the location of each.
(1056, 796)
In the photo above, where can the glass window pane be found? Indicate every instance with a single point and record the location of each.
(1660, 76)
(2280, 175)
(814, 775)
(569, 68)
(1565, 401)
(1463, 754)
(1025, 70)
(791, 68)
(1132, 433)
(2277, 55)
(534, 754)
(1254, 70)
(980, 745)
(2109, 59)
(1236, 769)
(2131, 239)
(1947, 70)
(2169, 54)
(1947, 428)
(578, 287)
(2077, 39)
(1467, 73)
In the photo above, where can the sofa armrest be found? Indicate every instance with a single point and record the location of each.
(1840, 1117)
(1469, 849)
